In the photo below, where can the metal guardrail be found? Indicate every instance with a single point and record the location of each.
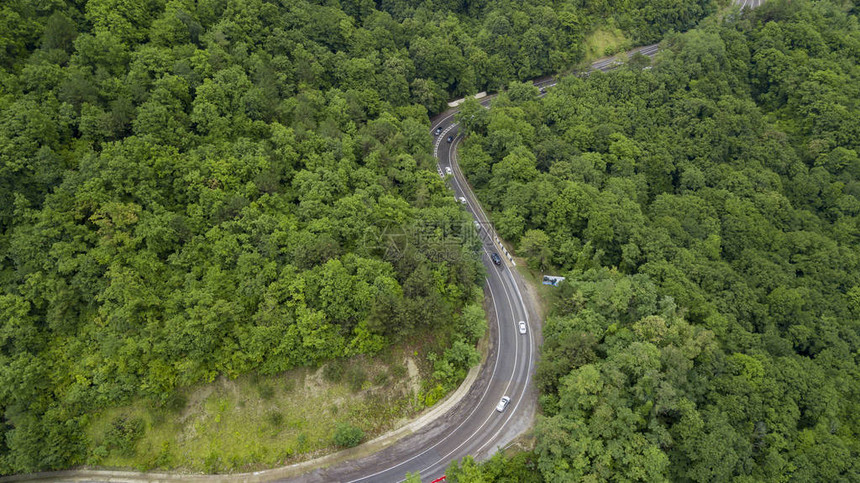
(504, 250)
(456, 103)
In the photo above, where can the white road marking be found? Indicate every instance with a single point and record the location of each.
(477, 211)
(510, 381)
(512, 282)
(480, 401)
(528, 371)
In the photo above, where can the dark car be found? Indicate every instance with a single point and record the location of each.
(450, 139)
(438, 131)
(496, 258)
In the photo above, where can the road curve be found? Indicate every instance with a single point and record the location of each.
(473, 426)
(470, 427)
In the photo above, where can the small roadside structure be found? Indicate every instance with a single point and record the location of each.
(552, 280)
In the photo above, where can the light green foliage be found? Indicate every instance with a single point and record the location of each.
(347, 436)
(520, 468)
(466, 471)
(473, 322)
(535, 245)
(455, 362)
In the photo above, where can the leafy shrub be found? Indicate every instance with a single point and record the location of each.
(212, 462)
(380, 378)
(123, 434)
(347, 435)
(333, 371)
(398, 371)
(275, 419)
(355, 377)
(175, 401)
(165, 456)
(302, 442)
(266, 391)
(434, 395)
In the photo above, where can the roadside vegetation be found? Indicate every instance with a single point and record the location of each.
(261, 421)
(706, 213)
(254, 422)
(603, 42)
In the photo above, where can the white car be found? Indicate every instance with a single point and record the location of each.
(462, 200)
(448, 170)
(522, 327)
(503, 404)
(477, 226)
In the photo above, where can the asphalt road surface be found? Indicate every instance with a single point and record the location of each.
(748, 3)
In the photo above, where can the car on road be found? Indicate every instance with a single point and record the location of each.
(438, 131)
(450, 139)
(477, 226)
(543, 90)
(496, 258)
(448, 170)
(522, 327)
(503, 404)
(462, 200)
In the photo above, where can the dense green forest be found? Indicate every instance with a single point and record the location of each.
(706, 211)
(193, 189)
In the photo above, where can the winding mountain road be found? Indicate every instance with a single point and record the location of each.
(472, 426)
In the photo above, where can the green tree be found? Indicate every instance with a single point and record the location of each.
(347, 436)
(535, 245)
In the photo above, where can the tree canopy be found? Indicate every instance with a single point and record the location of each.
(191, 190)
(706, 213)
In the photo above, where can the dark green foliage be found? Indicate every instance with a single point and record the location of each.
(347, 435)
(355, 376)
(191, 190)
(212, 462)
(267, 391)
(707, 216)
(122, 435)
(275, 419)
(334, 370)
